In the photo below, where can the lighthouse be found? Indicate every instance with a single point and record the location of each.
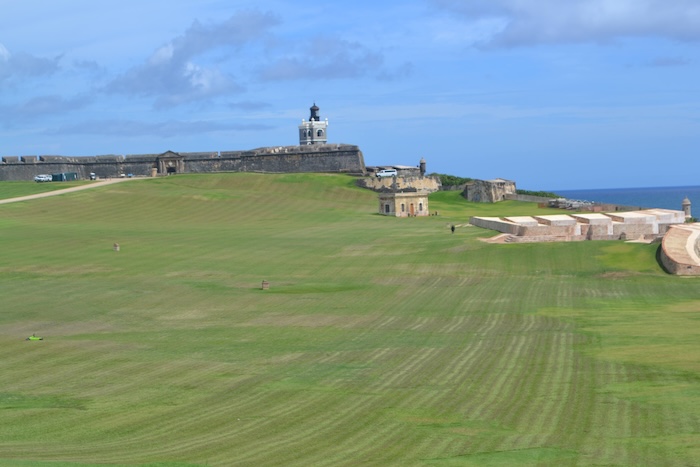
(313, 131)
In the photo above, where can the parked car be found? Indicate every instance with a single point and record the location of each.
(43, 178)
(386, 173)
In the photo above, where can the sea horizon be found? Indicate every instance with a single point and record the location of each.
(665, 197)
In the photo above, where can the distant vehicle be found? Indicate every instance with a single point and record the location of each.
(386, 173)
(93, 176)
(43, 178)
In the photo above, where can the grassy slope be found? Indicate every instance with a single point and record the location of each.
(381, 341)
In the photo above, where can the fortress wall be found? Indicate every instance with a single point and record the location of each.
(633, 230)
(329, 158)
(316, 158)
(27, 171)
(427, 183)
(599, 231)
(104, 166)
(549, 231)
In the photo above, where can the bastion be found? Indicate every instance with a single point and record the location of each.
(680, 250)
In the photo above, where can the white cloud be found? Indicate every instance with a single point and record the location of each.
(326, 58)
(162, 55)
(20, 66)
(4, 53)
(554, 21)
(181, 70)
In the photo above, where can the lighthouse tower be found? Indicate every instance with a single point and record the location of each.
(314, 131)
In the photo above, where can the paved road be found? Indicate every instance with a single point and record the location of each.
(66, 190)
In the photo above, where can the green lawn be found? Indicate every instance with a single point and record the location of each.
(17, 189)
(381, 341)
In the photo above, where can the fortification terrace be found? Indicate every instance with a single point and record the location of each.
(648, 224)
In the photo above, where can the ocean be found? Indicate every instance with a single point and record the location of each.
(669, 197)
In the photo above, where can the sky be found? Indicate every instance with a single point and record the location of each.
(552, 94)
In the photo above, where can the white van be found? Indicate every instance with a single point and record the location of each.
(386, 173)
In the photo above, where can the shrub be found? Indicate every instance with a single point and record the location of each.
(543, 194)
(449, 180)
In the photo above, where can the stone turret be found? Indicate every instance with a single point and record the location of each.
(686, 208)
(422, 166)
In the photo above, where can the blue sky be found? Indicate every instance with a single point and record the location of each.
(552, 94)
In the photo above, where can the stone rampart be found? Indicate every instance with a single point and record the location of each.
(331, 158)
(495, 223)
(401, 183)
(541, 230)
(613, 226)
(680, 250)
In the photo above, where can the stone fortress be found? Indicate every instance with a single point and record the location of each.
(313, 154)
(404, 195)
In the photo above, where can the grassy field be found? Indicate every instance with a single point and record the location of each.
(17, 189)
(381, 341)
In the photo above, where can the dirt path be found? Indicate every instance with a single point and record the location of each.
(66, 190)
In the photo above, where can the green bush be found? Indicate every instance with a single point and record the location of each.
(449, 180)
(543, 194)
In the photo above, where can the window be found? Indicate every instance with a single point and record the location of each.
(403, 207)
(319, 133)
(386, 209)
(420, 207)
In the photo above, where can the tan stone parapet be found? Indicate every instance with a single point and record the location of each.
(593, 219)
(556, 220)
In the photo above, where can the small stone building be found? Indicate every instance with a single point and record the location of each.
(404, 204)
